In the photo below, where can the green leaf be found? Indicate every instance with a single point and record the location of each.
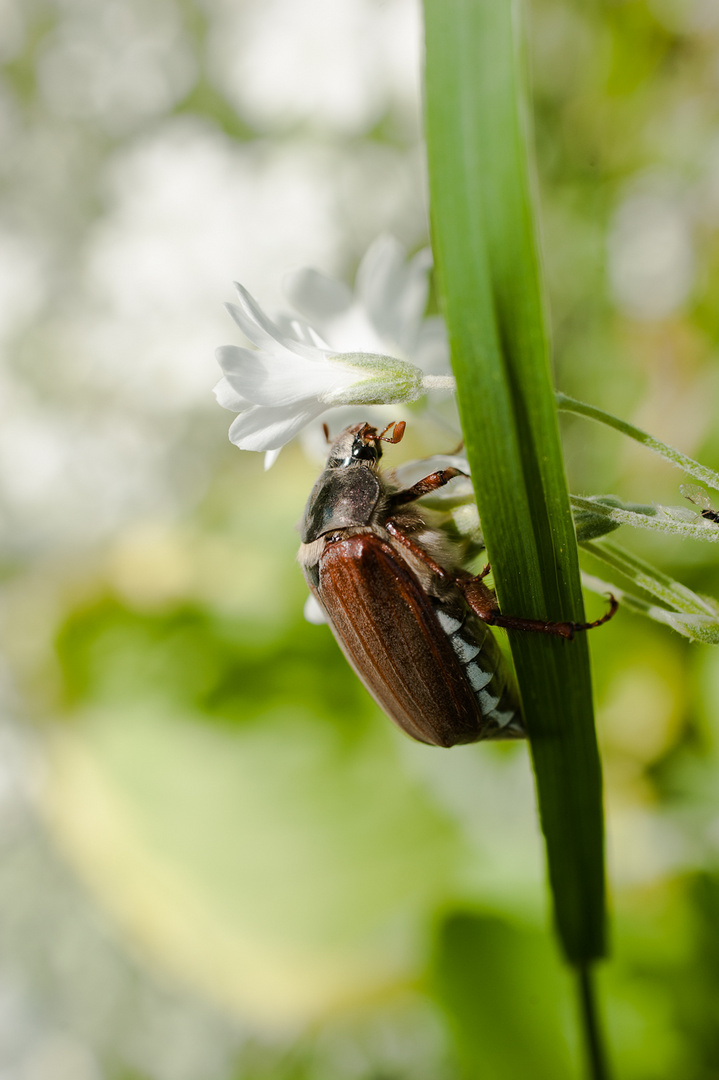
(489, 283)
(665, 519)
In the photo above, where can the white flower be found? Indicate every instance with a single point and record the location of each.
(384, 314)
(292, 375)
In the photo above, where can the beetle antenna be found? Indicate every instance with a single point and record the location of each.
(397, 433)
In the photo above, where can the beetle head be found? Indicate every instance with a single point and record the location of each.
(362, 444)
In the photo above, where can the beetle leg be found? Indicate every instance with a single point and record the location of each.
(483, 603)
(401, 537)
(430, 483)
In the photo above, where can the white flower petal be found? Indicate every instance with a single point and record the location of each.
(304, 332)
(260, 329)
(268, 380)
(316, 295)
(314, 613)
(258, 335)
(228, 397)
(377, 275)
(393, 291)
(415, 290)
(271, 457)
(383, 259)
(352, 331)
(260, 428)
(231, 357)
(301, 331)
(431, 351)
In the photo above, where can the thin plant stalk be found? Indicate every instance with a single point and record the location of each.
(686, 464)
(591, 1027)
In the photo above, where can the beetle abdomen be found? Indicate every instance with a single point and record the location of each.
(436, 670)
(485, 669)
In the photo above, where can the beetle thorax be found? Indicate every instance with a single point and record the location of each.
(342, 498)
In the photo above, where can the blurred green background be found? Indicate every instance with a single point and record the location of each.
(218, 860)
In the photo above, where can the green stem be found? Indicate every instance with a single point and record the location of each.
(597, 1068)
(687, 464)
(694, 616)
(653, 581)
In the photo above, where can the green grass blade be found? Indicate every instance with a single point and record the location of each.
(489, 281)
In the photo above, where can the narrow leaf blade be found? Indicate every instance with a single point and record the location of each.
(490, 286)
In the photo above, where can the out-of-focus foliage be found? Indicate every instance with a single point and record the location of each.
(217, 860)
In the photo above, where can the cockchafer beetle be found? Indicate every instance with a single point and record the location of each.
(411, 621)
